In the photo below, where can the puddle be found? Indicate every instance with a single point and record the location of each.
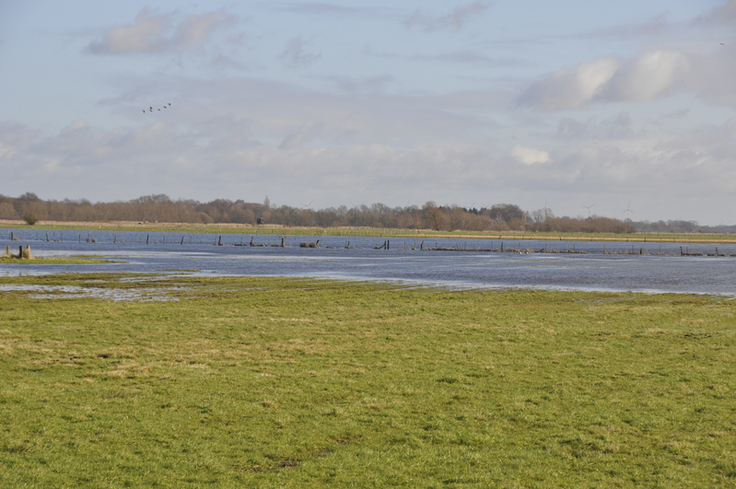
(77, 292)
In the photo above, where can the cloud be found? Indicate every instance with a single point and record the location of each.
(194, 30)
(651, 75)
(223, 158)
(12, 137)
(528, 156)
(616, 128)
(156, 33)
(712, 75)
(723, 15)
(455, 20)
(144, 35)
(308, 129)
(296, 54)
(571, 89)
(322, 8)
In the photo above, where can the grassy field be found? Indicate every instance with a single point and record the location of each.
(252, 382)
(369, 232)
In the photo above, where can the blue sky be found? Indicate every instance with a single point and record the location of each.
(321, 104)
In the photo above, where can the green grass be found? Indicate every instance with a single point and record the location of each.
(252, 382)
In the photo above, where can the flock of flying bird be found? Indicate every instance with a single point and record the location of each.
(150, 109)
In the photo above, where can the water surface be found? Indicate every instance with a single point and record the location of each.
(600, 266)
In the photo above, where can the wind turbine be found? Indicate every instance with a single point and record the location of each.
(629, 211)
(589, 207)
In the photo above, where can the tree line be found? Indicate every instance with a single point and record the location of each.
(160, 208)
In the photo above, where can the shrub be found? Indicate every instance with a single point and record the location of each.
(30, 218)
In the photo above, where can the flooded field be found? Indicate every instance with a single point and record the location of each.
(457, 263)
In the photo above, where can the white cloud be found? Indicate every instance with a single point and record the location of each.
(152, 33)
(571, 89)
(652, 74)
(528, 156)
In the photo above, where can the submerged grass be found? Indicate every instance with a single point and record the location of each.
(255, 382)
(54, 261)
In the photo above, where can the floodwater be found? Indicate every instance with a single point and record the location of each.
(558, 265)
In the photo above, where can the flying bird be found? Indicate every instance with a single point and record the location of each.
(722, 44)
(150, 108)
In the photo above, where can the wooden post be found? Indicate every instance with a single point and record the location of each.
(147, 238)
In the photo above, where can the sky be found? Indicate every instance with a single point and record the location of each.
(618, 109)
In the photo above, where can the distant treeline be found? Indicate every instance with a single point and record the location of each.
(160, 208)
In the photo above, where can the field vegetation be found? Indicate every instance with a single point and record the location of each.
(254, 382)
